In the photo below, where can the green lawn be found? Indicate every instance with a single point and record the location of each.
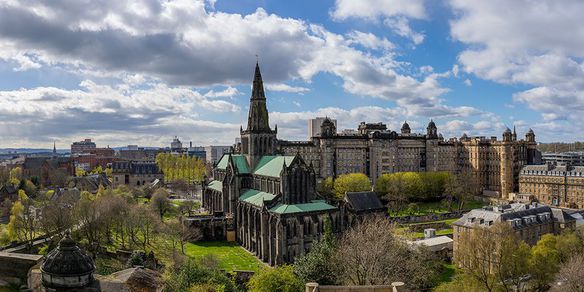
(447, 273)
(426, 208)
(230, 255)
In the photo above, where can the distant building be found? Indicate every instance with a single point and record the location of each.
(564, 158)
(44, 168)
(176, 144)
(214, 153)
(135, 173)
(554, 185)
(82, 146)
(529, 221)
(374, 150)
(314, 126)
(133, 152)
(197, 151)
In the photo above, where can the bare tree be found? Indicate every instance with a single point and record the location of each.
(571, 275)
(370, 254)
(160, 202)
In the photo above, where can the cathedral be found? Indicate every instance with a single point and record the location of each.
(270, 198)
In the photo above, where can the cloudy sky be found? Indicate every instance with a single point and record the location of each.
(142, 72)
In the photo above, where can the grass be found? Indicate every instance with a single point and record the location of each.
(106, 266)
(405, 228)
(427, 208)
(448, 272)
(230, 255)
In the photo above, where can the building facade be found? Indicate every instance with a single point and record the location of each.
(314, 126)
(214, 152)
(271, 198)
(375, 150)
(135, 173)
(554, 185)
(528, 221)
(564, 158)
(82, 146)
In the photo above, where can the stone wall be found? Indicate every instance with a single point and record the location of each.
(16, 265)
(394, 287)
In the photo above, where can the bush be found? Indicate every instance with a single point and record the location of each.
(281, 279)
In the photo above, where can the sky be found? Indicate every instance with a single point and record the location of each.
(142, 72)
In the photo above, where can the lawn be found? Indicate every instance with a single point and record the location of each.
(230, 255)
(447, 273)
(405, 229)
(426, 208)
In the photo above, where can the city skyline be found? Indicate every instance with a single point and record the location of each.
(144, 72)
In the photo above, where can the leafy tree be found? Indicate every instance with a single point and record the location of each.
(198, 273)
(80, 172)
(15, 176)
(281, 278)
(23, 222)
(325, 188)
(160, 202)
(352, 182)
(544, 261)
(181, 167)
(316, 265)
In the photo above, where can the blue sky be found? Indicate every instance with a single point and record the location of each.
(141, 72)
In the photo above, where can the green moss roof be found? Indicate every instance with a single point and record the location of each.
(316, 205)
(272, 165)
(256, 197)
(216, 185)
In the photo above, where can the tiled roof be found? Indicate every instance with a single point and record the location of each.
(272, 165)
(216, 185)
(316, 205)
(256, 197)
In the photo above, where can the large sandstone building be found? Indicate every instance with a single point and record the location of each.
(554, 185)
(375, 150)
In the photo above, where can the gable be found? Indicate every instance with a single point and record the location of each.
(273, 165)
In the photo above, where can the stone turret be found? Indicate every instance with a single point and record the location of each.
(432, 130)
(67, 267)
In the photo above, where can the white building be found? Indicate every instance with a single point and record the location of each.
(314, 126)
(214, 153)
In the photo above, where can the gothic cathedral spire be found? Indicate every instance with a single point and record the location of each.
(258, 120)
(257, 139)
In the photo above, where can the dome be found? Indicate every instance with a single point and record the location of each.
(431, 124)
(406, 128)
(67, 266)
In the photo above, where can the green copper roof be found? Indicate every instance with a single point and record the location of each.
(272, 165)
(239, 161)
(256, 197)
(222, 164)
(316, 205)
(216, 185)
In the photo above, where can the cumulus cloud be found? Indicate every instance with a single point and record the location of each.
(539, 44)
(395, 14)
(286, 88)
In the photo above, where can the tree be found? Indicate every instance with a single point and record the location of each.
(571, 274)
(160, 202)
(281, 278)
(370, 254)
(315, 266)
(325, 188)
(80, 172)
(460, 187)
(201, 273)
(352, 182)
(544, 261)
(23, 223)
(58, 177)
(15, 176)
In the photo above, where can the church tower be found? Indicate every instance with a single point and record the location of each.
(257, 139)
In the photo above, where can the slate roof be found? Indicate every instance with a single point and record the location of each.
(272, 165)
(363, 201)
(315, 205)
(256, 197)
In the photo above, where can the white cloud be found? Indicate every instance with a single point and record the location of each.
(286, 88)
(370, 41)
(395, 14)
(535, 43)
(227, 92)
(467, 82)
